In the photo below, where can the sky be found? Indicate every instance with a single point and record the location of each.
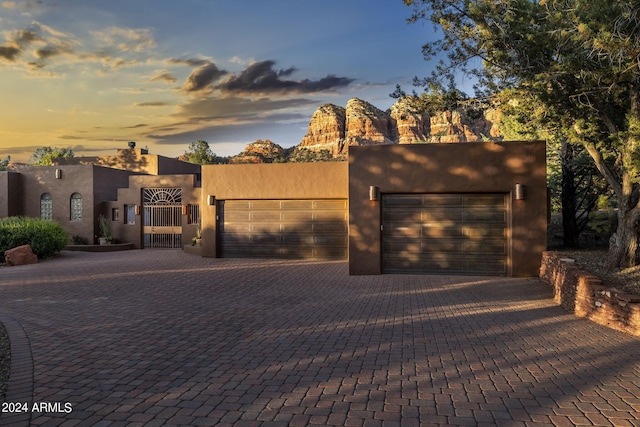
(92, 75)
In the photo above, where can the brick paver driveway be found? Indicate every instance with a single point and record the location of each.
(162, 338)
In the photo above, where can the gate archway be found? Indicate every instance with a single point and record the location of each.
(162, 217)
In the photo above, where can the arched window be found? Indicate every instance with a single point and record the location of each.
(46, 206)
(76, 207)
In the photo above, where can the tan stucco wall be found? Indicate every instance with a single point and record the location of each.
(323, 180)
(95, 184)
(131, 194)
(449, 168)
(38, 180)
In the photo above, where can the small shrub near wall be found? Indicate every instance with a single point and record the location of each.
(45, 237)
(587, 296)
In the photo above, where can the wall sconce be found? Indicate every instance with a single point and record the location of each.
(137, 210)
(374, 193)
(185, 209)
(58, 173)
(520, 191)
(211, 200)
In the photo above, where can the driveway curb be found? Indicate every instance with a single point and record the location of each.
(20, 388)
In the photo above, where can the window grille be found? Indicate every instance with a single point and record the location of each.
(76, 207)
(193, 214)
(46, 206)
(129, 214)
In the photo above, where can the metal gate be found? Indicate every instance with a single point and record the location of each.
(162, 217)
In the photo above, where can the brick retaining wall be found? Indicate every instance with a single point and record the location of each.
(586, 295)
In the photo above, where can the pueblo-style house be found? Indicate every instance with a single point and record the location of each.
(454, 208)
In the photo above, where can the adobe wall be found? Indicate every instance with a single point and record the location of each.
(37, 180)
(11, 199)
(135, 160)
(322, 180)
(449, 168)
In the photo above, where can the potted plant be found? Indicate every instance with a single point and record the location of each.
(105, 230)
(197, 241)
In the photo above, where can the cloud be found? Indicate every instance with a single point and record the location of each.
(71, 137)
(17, 41)
(242, 109)
(259, 78)
(9, 53)
(26, 5)
(163, 76)
(192, 62)
(125, 39)
(210, 115)
(32, 47)
(202, 77)
(262, 78)
(53, 50)
(24, 37)
(152, 104)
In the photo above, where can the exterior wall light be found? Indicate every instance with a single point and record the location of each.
(58, 173)
(211, 200)
(520, 191)
(374, 193)
(136, 210)
(185, 209)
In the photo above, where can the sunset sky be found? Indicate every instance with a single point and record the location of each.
(92, 75)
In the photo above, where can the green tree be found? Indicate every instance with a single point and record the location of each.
(576, 186)
(4, 164)
(579, 57)
(45, 156)
(200, 153)
(299, 154)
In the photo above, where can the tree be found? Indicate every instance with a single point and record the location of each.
(576, 186)
(200, 153)
(579, 57)
(45, 156)
(4, 164)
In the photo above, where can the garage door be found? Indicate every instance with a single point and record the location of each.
(445, 233)
(316, 229)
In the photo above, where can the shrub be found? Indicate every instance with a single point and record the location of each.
(79, 240)
(45, 237)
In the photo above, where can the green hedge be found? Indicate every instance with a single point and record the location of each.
(45, 237)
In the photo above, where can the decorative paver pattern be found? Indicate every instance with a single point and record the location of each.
(158, 337)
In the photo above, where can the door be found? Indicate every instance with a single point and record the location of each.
(162, 217)
(313, 229)
(445, 234)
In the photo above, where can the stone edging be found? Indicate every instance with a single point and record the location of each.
(113, 247)
(20, 388)
(585, 295)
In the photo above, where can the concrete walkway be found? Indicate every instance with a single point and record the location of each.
(157, 337)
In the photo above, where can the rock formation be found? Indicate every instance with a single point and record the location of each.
(326, 130)
(260, 152)
(333, 129)
(367, 125)
(411, 125)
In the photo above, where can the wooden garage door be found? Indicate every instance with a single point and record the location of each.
(445, 233)
(316, 229)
